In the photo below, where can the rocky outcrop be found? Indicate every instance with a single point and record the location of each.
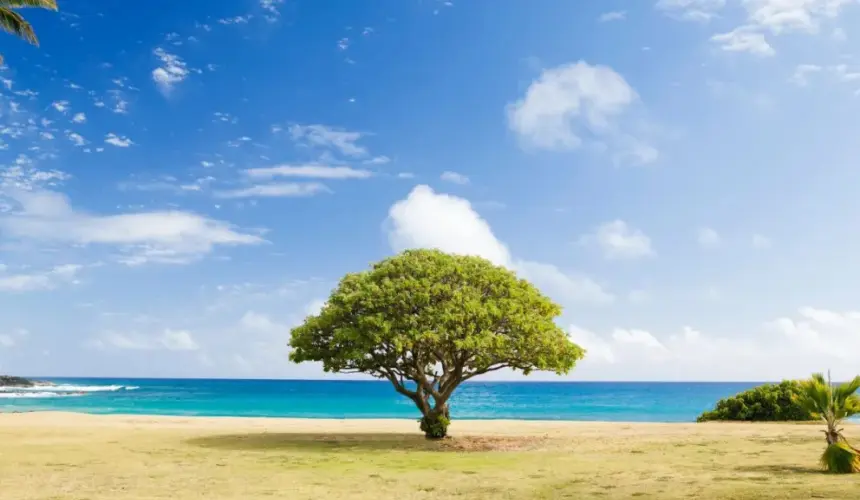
(9, 381)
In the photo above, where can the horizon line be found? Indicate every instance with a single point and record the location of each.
(372, 379)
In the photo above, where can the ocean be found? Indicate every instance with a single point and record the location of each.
(594, 401)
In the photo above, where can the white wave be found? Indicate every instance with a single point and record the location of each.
(63, 388)
(33, 394)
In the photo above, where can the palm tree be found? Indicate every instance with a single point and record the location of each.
(833, 404)
(13, 22)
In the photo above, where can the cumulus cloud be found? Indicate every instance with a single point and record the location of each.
(310, 171)
(780, 16)
(744, 39)
(571, 102)
(792, 346)
(425, 219)
(172, 71)
(162, 236)
(617, 240)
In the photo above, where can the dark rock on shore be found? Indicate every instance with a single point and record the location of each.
(9, 381)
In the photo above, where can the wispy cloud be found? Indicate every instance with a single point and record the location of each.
(284, 190)
(310, 171)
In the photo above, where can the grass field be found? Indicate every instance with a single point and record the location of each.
(77, 457)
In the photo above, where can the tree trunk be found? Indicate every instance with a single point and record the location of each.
(832, 434)
(435, 422)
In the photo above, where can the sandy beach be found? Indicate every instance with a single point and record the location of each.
(76, 456)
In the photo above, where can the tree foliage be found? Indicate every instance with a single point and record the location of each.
(13, 22)
(427, 321)
(766, 403)
(832, 404)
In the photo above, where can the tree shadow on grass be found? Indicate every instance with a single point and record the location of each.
(781, 470)
(327, 442)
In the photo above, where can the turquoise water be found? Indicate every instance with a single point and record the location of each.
(606, 401)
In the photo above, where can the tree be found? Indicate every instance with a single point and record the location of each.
(427, 321)
(13, 22)
(833, 404)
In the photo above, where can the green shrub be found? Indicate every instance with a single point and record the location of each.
(766, 403)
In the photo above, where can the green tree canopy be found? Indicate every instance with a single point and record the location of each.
(765, 403)
(427, 321)
(13, 22)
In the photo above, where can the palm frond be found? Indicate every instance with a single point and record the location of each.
(12, 22)
(844, 391)
(840, 458)
(18, 4)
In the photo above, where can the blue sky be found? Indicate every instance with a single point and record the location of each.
(182, 182)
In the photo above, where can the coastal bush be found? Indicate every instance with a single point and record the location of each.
(766, 403)
(428, 321)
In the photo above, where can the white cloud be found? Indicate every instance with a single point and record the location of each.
(691, 10)
(801, 73)
(75, 138)
(166, 236)
(776, 17)
(637, 338)
(569, 102)
(761, 242)
(426, 219)
(47, 280)
(326, 137)
(170, 340)
(617, 15)
(687, 355)
(617, 240)
(235, 20)
(120, 142)
(378, 160)
(311, 171)
(823, 336)
(61, 106)
(172, 71)
(708, 238)
(842, 74)
(744, 39)
(429, 220)
(79, 118)
(792, 15)
(454, 177)
(260, 323)
(272, 9)
(289, 189)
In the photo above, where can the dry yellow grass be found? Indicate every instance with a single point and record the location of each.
(77, 457)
